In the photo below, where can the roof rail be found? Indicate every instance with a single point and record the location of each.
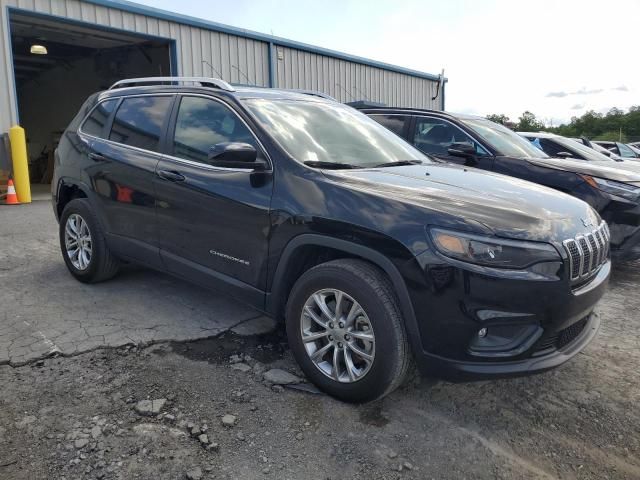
(202, 81)
(313, 93)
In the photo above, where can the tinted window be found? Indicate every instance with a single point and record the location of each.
(138, 121)
(396, 123)
(553, 148)
(435, 136)
(94, 125)
(201, 124)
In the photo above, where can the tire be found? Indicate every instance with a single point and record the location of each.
(102, 264)
(353, 281)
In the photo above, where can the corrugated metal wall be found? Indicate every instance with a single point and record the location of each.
(347, 81)
(237, 59)
(228, 54)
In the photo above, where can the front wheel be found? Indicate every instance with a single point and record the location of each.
(346, 332)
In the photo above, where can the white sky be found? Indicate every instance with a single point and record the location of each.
(499, 56)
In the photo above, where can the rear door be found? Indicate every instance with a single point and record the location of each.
(123, 173)
(214, 222)
(434, 136)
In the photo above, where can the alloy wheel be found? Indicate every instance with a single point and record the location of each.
(77, 240)
(337, 335)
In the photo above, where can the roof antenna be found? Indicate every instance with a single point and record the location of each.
(440, 85)
(243, 74)
(346, 91)
(361, 93)
(214, 70)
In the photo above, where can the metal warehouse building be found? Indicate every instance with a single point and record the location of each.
(54, 53)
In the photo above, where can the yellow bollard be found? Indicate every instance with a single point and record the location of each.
(20, 163)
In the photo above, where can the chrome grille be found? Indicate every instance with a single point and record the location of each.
(587, 252)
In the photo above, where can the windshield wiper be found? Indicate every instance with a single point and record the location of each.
(398, 163)
(329, 165)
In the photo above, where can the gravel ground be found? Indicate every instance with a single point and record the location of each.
(211, 414)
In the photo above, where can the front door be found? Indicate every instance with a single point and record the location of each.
(435, 136)
(213, 222)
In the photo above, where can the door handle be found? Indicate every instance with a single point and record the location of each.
(171, 175)
(96, 157)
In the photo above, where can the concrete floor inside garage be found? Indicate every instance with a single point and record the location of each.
(77, 359)
(80, 59)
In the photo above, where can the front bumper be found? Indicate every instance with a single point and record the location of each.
(532, 324)
(465, 371)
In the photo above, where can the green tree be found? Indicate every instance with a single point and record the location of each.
(498, 118)
(529, 123)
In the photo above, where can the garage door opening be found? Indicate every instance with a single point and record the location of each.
(58, 65)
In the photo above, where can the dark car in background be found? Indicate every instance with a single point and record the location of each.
(373, 254)
(480, 143)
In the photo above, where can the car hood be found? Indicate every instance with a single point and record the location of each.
(608, 170)
(471, 198)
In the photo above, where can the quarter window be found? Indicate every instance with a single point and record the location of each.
(435, 136)
(139, 120)
(203, 123)
(94, 125)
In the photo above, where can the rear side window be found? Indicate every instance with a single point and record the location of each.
(94, 125)
(202, 123)
(139, 121)
(396, 123)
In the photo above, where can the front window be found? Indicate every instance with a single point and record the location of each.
(435, 136)
(313, 131)
(504, 141)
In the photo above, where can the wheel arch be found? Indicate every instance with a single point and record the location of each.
(281, 284)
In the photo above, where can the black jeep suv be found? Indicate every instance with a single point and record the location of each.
(310, 211)
(477, 142)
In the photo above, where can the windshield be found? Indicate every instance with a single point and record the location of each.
(313, 132)
(504, 141)
(588, 153)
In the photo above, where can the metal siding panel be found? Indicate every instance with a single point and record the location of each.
(196, 52)
(102, 16)
(88, 12)
(225, 67)
(74, 9)
(242, 62)
(26, 4)
(205, 49)
(140, 23)
(128, 21)
(116, 18)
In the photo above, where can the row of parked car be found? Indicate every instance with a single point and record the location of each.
(435, 240)
(609, 183)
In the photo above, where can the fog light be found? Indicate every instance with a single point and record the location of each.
(482, 332)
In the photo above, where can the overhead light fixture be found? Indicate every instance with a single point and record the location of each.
(39, 50)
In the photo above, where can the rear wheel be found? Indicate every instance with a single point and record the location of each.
(83, 245)
(346, 332)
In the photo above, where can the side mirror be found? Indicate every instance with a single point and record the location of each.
(564, 155)
(462, 149)
(235, 155)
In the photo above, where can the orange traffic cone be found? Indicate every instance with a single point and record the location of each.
(12, 198)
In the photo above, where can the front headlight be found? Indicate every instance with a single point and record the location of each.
(492, 252)
(619, 189)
